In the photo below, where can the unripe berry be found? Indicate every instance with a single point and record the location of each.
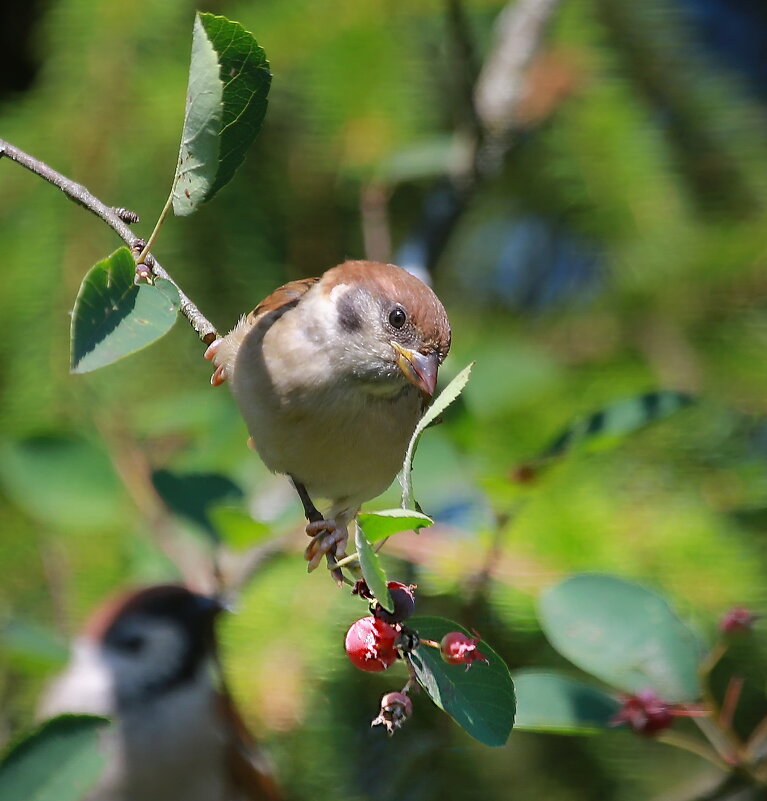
(403, 597)
(458, 649)
(370, 644)
(396, 708)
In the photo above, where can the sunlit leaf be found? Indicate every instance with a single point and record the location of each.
(60, 761)
(553, 702)
(235, 527)
(31, 645)
(372, 571)
(624, 634)
(441, 402)
(229, 81)
(380, 525)
(113, 316)
(481, 699)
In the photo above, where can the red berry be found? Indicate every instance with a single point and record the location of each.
(645, 713)
(458, 649)
(396, 708)
(370, 644)
(737, 620)
(403, 597)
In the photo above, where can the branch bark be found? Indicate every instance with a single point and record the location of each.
(204, 329)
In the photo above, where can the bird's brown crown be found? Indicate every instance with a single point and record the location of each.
(398, 286)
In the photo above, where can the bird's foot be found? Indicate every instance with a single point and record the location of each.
(328, 539)
(219, 374)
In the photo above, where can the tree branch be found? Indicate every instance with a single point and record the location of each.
(74, 191)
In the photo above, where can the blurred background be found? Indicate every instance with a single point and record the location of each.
(596, 234)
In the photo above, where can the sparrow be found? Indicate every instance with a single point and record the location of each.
(331, 376)
(147, 660)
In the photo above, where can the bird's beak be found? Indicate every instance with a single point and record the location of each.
(419, 369)
(209, 607)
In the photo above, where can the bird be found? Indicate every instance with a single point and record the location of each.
(147, 659)
(331, 375)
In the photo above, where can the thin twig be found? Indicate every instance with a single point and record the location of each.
(730, 702)
(74, 191)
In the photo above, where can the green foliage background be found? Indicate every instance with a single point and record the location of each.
(677, 202)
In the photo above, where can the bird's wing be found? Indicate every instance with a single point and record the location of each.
(224, 351)
(282, 299)
(249, 765)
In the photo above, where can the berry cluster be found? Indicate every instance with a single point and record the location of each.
(375, 642)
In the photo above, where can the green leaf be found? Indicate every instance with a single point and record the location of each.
(63, 481)
(192, 495)
(553, 702)
(481, 699)
(236, 527)
(624, 634)
(113, 316)
(60, 761)
(372, 571)
(608, 425)
(382, 524)
(229, 81)
(441, 402)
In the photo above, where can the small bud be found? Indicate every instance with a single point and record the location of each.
(361, 588)
(126, 215)
(458, 649)
(645, 713)
(737, 620)
(396, 708)
(143, 274)
(524, 474)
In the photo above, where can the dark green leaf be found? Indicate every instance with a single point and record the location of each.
(114, 317)
(192, 495)
(481, 699)
(60, 761)
(624, 634)
(229, 82)
(553, 702)
(63, 481)
(606, 426)
(372, 571)
(380, 525)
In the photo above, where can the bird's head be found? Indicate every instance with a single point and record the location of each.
(154, 639)
(390, 327)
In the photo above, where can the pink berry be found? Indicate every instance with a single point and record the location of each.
(403, 597)
(737, 620)
(458, 649)
(645, 713)
(370, 644)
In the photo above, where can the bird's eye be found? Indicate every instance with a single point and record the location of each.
(397, 317)
(132, 643)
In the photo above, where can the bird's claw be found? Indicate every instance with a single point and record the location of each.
(219, 374)
(328, 539)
